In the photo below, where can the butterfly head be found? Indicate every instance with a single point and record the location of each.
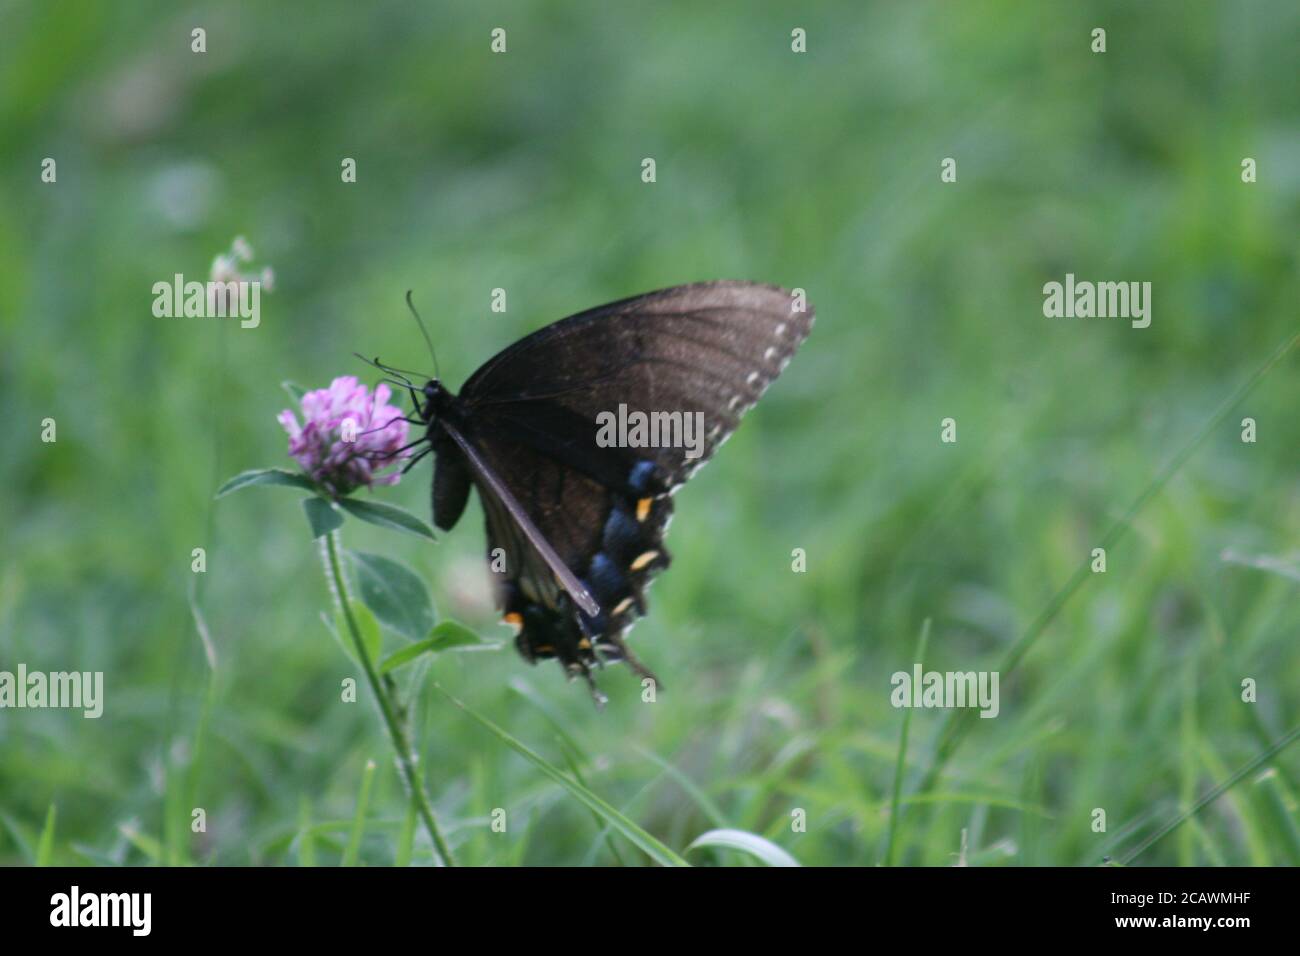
(436, 398)
(439, 403)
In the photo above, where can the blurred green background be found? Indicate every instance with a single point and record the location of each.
(522, 171)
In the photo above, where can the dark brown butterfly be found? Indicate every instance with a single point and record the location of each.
(578, 520)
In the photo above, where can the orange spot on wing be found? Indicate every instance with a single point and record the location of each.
(643, 559)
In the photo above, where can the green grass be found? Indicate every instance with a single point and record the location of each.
(1121, 691)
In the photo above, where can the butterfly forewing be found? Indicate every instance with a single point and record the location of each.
(711, 348)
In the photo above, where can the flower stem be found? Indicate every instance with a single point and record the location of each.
(406, 759)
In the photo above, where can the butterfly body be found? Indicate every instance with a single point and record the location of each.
(575, 522)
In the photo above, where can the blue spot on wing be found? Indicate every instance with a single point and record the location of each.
(622, 535)
(640, 478)
(605, 579)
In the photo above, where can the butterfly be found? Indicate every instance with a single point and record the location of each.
(575, 520)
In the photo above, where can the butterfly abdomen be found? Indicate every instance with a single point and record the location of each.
(451, 484)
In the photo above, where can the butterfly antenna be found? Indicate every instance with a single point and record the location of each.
(425, 332)
(386, 369)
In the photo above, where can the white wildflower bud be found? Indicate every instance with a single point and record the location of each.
(223, 269)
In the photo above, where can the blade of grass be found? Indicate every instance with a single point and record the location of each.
(1188, 764)
(306, 836)
(702, 800)
(516, 857)
(1227, 662)
(45, 846)
(1213, 795)
(637, 799)
(996, 801)
(176, 818)
(197, 758)
(353, 849)
(148, 845)
(406, 839)
(900, 764)
(956, 723)
(1262, 562)
(21, 839)
(760, 848)
(652, 846)
(1239, 811)
(1031, 830)
(1280, 811)
(547, 709)
(1214, 855)
(569, 758)
(573, 753)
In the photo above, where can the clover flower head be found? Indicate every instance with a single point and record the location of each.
(349, 438)
(228, 274)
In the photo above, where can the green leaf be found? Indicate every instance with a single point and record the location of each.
(652, 847)
(404, 656)
(371, 637)
(266, 476)
(322, 517)
(296, 391)
(760, 848)
(395, 593)
(447, 636)
(450, 634)
(386, 516)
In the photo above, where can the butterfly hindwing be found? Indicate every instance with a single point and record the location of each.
(610, 538)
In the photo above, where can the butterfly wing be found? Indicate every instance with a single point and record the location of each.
(711, 347)
(706, 352)
(610, 541)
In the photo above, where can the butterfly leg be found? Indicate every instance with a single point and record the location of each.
(625, 653)
(576, 658)
(597, 696)
(416, 460)
(408, 447)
